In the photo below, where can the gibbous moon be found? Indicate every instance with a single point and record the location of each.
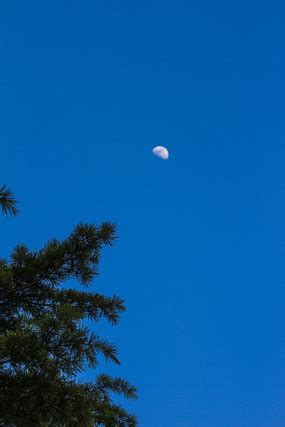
(161, 152)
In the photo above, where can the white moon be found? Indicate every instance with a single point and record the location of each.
(161, 152)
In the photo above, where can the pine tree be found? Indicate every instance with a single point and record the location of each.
(45, 343)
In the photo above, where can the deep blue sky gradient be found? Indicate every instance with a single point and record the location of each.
(87, 89)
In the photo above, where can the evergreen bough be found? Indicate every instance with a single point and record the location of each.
(45, 343)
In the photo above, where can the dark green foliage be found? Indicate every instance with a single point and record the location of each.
(8, 202)
(44, 342)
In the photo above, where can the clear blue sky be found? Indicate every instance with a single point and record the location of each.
(87, 89)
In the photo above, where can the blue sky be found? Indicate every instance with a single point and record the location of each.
(87, 90)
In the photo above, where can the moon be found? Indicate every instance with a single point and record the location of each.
(161, 152)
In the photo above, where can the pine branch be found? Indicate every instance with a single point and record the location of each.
(45, 343)
(8, 202)
(105, 384)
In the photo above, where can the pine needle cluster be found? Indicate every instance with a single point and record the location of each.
(8, 202)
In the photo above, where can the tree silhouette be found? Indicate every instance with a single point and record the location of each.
(45, 343)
